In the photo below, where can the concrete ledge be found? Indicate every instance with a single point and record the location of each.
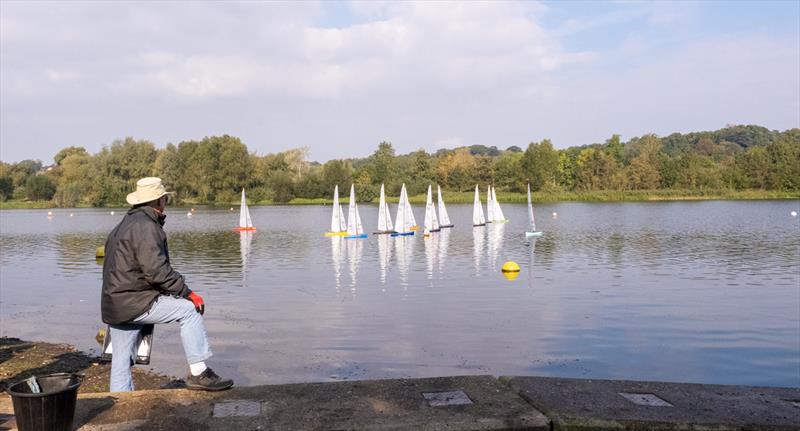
(575, 404)
(373, 405)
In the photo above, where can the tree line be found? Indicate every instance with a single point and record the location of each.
(214, 169)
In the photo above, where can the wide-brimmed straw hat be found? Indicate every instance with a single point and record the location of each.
(147, 189)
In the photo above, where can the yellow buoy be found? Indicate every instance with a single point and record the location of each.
(511, 276)
(100, 252)
(510, 266)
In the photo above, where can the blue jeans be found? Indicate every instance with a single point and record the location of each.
(166, 309)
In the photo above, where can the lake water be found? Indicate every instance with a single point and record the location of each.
(705, 292)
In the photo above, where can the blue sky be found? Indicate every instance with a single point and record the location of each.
(340, 77)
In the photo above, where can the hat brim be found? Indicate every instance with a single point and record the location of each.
(135, 199)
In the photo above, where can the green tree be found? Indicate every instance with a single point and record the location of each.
(540, 164)
(39, 188)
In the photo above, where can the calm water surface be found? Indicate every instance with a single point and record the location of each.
(705, 292)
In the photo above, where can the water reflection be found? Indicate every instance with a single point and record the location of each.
(336, 260)
(444, 243)
(384, 256)
(478, 234)
(431, 252)
(355, 247)
(404, 250)
(495, 240)
(531, 261)
(245, 242)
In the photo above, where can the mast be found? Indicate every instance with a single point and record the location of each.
(477, 210)
(490, 217)
(382, 219)
(244, 214)
(351, 212)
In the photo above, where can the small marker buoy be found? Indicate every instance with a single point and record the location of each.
(70, 214)
(231, 209)
(192, 209)
(793, 213)
(49, 213)
(510, 266)
(112, 213)
(189, 214)
(555, 215)
(100, 252)
(511, 276)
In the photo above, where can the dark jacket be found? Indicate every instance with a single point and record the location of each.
(136, 268)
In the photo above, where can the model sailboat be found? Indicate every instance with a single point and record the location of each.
(444, 219)
(533, 232)
(497, 212)
(245, 223)
(404, 222)
(431, 221)
(354, 227)
(384, 217)
(338, 223)
(477, 210)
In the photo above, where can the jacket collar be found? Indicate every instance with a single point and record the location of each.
(150, 212)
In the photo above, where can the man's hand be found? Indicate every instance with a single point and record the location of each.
(197, 300)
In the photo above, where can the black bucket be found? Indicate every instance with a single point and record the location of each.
(51, 410)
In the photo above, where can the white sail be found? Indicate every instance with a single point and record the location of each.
(342, 220)
(359, 226)
(490, 217)
(477, 210)
(409, 213)
(530, 211)
(444, 218)
(498, 212)
(351, 212)
(336, 219)
(405, 218)
(244, 214)
(384, 217)
(430, 214)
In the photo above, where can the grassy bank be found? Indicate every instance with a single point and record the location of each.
(508, 197)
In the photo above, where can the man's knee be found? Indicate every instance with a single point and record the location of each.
(187, 309)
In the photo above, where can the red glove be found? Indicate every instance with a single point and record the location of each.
(197, 300)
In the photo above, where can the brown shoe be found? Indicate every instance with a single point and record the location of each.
(208, 381)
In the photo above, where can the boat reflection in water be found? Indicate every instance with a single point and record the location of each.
(444, 242)
(478, 234)
(384, 256)
(495, 235)
(431, 252)
(336, 260)
(245, 242)
(404, 250)
(355, 248)
(531, 260)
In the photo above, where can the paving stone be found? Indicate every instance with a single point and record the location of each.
(447, 398)
(645, 399)
(237, 408)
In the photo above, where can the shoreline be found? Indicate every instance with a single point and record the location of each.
(609, 196)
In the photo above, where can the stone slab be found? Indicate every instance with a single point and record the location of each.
(577, 404)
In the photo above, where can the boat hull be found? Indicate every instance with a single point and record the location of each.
(335, 233)
(533, 234)
(402, 234)
(499, 221)
(363, 235)
(244, 229)
(384, 232)
(479, 225)
(444, 226)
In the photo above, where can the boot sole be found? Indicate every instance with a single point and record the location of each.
(205, 388)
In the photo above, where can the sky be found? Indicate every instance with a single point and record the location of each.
(341, 77)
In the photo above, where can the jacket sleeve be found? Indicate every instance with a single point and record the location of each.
(151, 254)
